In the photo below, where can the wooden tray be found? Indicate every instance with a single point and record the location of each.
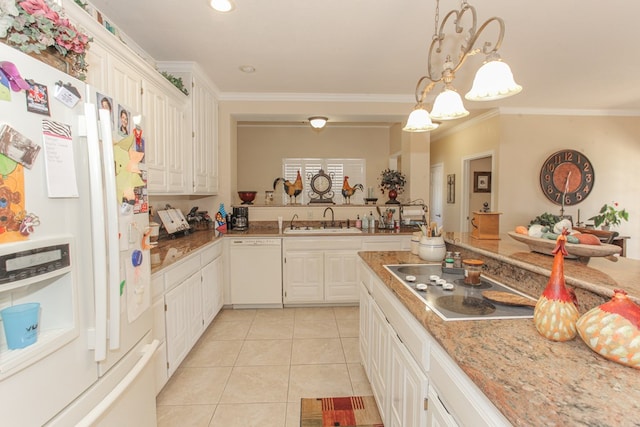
(546, 246)
(508, 298)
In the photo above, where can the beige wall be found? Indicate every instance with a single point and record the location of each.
(262, 148)
(522, 144)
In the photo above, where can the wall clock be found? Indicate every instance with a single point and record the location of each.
(321, 188)
(567, 177)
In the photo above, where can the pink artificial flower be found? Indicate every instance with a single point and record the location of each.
(39, 7)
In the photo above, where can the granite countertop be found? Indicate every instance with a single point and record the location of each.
(531, 380)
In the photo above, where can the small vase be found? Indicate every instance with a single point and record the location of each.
(392, 198)
(605, 227)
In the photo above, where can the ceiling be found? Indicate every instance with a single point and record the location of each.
(568, 55)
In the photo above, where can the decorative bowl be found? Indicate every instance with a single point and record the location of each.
(247, 197)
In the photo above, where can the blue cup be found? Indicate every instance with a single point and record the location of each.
(21, 324)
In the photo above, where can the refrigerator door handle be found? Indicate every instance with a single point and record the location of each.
(112, 213)
(98, 234)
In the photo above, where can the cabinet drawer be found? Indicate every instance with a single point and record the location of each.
(180, 272)
(210, 253)
(322, 243)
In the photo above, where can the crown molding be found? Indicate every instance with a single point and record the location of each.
(567, 112)
(315, 97)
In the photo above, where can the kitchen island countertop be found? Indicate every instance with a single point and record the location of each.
(532, 381)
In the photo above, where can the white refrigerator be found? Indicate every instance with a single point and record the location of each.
(73, 238)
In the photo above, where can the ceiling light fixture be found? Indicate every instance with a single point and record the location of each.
(318, 122)
(493, 80)
(222, 5)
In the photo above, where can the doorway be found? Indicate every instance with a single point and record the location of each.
(478, 186)
(435, 193)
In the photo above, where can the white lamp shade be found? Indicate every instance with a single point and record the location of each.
(448, 106)
(419, 121)
(317, 122)
(494, 80)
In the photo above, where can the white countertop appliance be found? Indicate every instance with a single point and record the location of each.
(84, 257)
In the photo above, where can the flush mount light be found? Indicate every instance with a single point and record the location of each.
(247, 69)
(493, 80)
(318, 122)
(222, 5)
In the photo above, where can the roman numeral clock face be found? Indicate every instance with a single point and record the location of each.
(568, 175)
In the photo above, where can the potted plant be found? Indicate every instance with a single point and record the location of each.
(609, 216)
(393, 182)
(39, 28)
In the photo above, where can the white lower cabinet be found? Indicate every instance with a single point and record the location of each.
(192, 297)
(322, 270)
(415, 382)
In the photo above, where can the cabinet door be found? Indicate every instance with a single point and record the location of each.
(364, 336)
(97, 72)
(194, 307)
(341, 276)
(178, 147)
(125, 85)
(438, 414)
(154, 110)
(303, 276)
(408, 388)
(205, 173)
(379, 360)
(211, 290)
(177, 324)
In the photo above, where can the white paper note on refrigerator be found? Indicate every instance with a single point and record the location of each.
(59, 160)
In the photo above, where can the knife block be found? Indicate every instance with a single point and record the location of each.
(486, 225)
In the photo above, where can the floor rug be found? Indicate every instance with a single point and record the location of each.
(352, 411)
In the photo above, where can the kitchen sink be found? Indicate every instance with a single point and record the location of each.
(320, 230)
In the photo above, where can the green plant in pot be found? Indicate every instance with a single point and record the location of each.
(609, 216)
(393, 182)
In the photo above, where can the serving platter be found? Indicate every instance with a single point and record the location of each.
(575, 250)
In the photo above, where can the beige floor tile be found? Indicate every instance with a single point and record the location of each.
(359, 381)
(250, 415)
(213, 353)
(319, 381)
(223, 330)
(251, 384)
(293, 414)
(348, 327)
(315, 329)
(272, 314)
(233, 315)
(194, 386)
(265, 352)
(351, 348)
(351, 313)
(314, 313)
(310, 351)
(185, 415)
(271, 329)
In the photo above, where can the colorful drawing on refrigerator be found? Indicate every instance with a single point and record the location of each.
(5, 91)
(12, 209)
(131, 183)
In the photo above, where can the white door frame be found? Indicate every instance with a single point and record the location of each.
(436, 167)
(464, 203)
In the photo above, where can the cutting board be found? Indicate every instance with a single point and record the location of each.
(508, 298)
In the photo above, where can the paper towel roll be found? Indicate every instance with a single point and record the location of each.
(412, 211)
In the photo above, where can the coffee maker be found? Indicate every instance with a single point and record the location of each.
(240, 218)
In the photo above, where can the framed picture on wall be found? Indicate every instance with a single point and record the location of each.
(482, 182)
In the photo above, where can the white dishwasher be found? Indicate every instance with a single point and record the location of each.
(256, 272)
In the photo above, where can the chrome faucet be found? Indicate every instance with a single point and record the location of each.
(292, 218)
(324, 214)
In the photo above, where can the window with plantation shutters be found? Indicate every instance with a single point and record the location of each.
(337, 169)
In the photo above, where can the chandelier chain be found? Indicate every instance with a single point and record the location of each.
(437, 20)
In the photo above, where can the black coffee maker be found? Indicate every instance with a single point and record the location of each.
(240, 218)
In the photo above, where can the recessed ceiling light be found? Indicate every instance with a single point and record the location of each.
(247, 69)
(222, 5)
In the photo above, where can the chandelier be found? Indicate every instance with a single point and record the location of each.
(492, 81)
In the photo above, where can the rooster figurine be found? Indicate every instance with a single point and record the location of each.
(555, 314)
(348, 191)
(293, 189)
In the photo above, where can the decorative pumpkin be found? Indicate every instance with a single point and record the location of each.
(613, 330)
(555, 314)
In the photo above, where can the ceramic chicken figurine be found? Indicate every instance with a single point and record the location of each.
(555, 314)
(293, 189)
(348, 191)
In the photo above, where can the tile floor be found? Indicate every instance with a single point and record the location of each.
(251, 367)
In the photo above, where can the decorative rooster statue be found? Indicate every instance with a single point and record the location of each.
(555, 314)
(347, 190)
(293, 189)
